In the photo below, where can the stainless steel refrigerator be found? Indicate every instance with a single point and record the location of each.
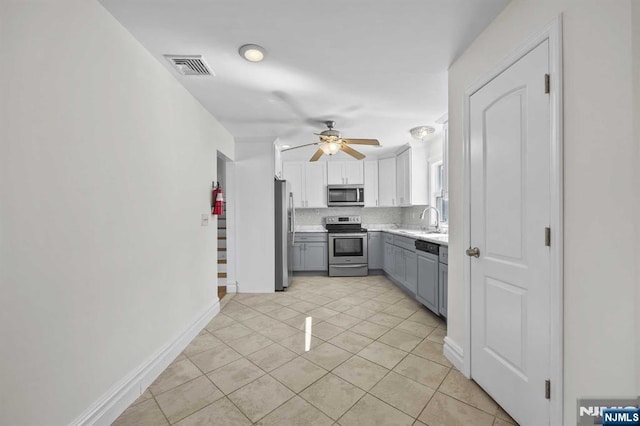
(285, 216)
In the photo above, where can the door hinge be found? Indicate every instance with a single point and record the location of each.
(547, 389)
(547, 237)
(547, 83)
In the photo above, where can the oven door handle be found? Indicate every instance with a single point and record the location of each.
(345, 235)
(347, 266)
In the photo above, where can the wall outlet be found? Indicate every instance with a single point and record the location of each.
(204, 220)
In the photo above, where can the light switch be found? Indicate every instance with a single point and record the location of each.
(204, 220)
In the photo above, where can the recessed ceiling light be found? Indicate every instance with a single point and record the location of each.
(285, 146)
(252, 52)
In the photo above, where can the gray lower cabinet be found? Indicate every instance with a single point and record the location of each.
(442, 289)
(398, 268)
(404, 268)
(411, 271)
(421, 273)
(428, 281)
(443, 280)
(310, 252)
(298, 261)
(387, 261)
(375, 250)
(315, 257)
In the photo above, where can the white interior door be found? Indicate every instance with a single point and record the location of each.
(510, 209)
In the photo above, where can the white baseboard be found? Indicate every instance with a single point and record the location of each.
(454, 353)
(232, 287)
(108, 407)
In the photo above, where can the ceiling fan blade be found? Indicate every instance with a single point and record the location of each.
(317, 155)
(362, 141)
(352, 152)
(299, 146)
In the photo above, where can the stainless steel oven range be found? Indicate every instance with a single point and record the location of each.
(348, 255)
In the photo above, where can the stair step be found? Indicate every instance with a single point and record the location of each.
(222, 275)
(222, 238)
(222, 261)
(222, 249)
(222, 291)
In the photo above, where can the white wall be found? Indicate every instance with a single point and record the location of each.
(253, 173)
(106, 164)
(599, 191)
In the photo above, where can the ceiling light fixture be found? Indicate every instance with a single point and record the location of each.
(330, 148)
(252, 52)
(422, 132)
(285, 146)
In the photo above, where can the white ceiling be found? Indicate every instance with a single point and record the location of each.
(376, 67)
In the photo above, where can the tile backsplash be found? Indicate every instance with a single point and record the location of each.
(369, 214)
(374, 215)
(411, 215)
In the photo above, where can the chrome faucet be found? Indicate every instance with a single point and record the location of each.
(437, 216)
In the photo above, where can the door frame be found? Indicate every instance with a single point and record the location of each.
(553, 33)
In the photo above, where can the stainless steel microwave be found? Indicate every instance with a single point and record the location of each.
(345, 195)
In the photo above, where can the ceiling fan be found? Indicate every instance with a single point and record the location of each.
(330, 143)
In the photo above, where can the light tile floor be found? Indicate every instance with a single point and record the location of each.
(375, 358)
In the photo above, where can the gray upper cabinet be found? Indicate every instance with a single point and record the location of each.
(428, 281)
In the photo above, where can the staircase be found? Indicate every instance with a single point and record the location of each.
(222, 255)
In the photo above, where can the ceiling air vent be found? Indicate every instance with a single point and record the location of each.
(189, 65)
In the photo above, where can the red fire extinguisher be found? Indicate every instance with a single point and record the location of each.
(217, 200)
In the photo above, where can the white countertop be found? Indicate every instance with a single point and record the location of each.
(442, 239)
(311, 228)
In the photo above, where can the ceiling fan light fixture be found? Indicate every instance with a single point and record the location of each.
(252, 52)
(422, 132)
(330, 148)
